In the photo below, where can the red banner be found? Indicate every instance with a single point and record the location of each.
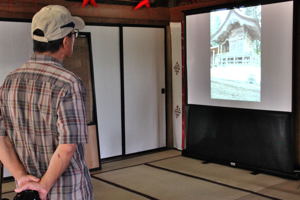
(85, 2)
(143, 3)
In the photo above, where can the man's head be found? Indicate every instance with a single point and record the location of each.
(53, 27)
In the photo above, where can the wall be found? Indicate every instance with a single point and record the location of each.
(104, 13)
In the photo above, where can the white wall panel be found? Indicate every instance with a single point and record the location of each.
(106, 63)
(177, 83)
(144, 76)
(16, 46)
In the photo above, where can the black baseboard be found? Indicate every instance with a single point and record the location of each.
(132, 155)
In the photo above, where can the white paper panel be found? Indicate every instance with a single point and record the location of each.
(144, 76)
(106, 62)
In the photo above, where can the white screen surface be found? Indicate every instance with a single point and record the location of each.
(275, 74)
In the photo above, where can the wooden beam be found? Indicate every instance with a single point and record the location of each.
(177, 15)
(104, 13)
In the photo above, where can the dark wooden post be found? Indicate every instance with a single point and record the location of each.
(1, 177)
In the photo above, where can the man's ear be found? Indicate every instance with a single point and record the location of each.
(65, 42)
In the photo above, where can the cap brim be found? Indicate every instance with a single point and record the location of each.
(79, 23)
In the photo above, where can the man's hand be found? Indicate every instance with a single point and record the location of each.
(26, 178)
(31, 185)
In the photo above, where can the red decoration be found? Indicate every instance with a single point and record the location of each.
(143, 3)
(85, 2)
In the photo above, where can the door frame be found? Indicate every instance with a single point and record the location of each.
(123, 87)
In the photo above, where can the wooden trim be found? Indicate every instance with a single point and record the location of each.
(104, 13)
(176, 13)
(169, 90)
(1, 176)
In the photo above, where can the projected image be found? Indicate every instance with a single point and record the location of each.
(235, 46)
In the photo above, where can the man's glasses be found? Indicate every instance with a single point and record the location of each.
(75, 32)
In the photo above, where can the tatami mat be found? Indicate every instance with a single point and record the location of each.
(8, 187)
(253, 197)
(9, 195)
(106, 191)
(261, 183)
(8, 190)
(139, 160)
(220, 173)
(102, 191)
(162, 185)
(288, 190)
(166, 175)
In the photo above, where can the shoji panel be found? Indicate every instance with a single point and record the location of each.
(144, 78)
(15, 49)
(106, 62)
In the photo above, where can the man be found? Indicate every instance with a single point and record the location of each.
(42, 114)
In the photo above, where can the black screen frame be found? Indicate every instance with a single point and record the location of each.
(290, 116)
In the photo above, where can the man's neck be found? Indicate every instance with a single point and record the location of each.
(56, 55)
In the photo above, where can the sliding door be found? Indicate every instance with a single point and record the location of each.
(144, 83)
(106, 61)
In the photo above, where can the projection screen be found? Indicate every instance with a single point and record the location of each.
(241, 57)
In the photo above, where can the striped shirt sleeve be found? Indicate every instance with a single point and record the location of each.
(71, 123)
(2, 126)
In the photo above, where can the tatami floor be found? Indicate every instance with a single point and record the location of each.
(167, 175)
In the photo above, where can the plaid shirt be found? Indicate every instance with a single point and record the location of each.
(42, 106)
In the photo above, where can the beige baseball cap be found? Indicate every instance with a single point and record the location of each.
(54, 22)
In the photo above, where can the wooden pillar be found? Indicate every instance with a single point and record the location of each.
(1, 177)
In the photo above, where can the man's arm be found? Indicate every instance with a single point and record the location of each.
(9, 157)
(11, 161)
(58, 164)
